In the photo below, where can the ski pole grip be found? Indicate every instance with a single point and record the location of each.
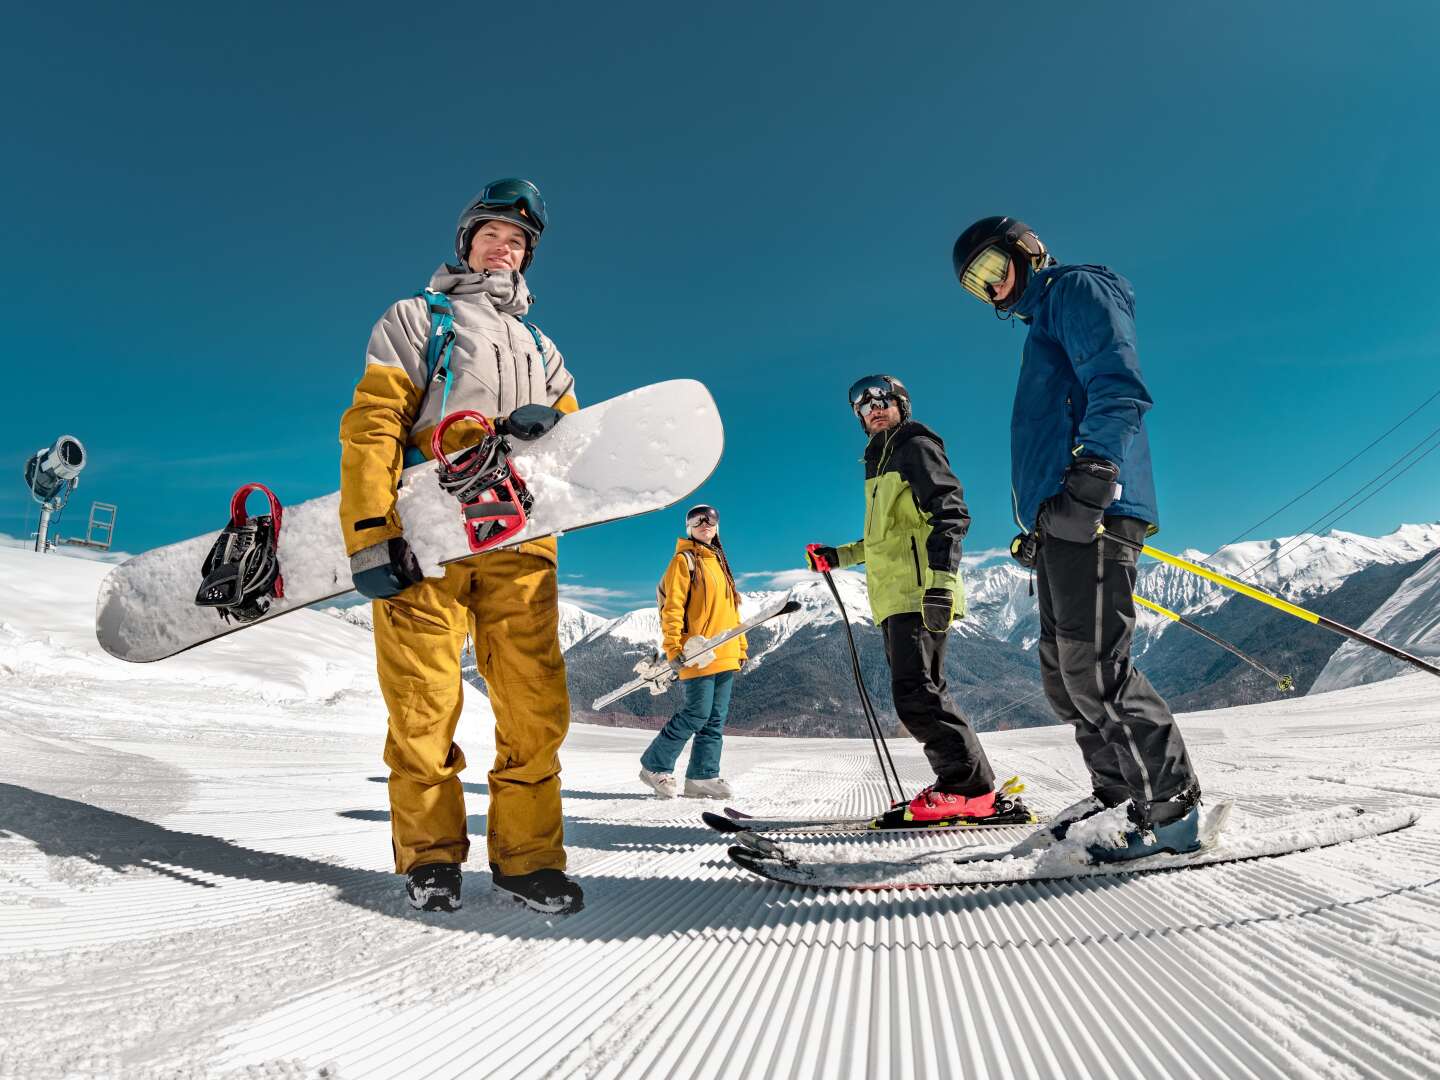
(819, 562)
(438, 438)
(1100, 531)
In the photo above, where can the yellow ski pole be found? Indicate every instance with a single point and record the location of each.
(1275, 602)
(1284, 683)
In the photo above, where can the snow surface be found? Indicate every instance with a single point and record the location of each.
(195, 880)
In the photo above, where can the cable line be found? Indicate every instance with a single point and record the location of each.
(1245, 532)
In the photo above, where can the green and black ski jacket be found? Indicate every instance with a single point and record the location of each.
(915, 521)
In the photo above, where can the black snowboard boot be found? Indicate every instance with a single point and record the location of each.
(548, 891)
(434, 887)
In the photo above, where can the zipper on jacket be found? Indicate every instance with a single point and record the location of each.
(915, 555)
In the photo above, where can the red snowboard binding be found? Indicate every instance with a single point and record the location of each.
(494, 499)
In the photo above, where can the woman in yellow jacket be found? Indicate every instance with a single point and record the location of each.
(698, 598)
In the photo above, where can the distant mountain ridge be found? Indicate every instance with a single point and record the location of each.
(798, 680)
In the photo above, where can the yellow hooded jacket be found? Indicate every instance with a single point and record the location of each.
(703, 605)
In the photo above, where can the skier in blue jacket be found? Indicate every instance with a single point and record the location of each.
(1080, 459)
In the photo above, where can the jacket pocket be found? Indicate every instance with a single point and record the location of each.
(915, 558)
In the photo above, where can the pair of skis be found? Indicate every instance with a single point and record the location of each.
(657, 674)
(1040, 857)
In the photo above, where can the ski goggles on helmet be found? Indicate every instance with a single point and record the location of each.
(702, 515)
(985, 273)
(520, 194)
(870, 393)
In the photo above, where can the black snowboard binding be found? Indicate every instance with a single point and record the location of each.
(242, 572)
(494, 499)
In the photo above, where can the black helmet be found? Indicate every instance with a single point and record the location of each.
(870, 387)
(516, 201)
(1007, 242)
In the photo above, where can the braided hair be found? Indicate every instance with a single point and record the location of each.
(719, 549)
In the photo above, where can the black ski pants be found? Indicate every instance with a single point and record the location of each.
(917, 682)
(1130, 742)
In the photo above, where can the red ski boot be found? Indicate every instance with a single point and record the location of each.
(933, 809)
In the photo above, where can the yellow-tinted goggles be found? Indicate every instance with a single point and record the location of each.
(985, 272)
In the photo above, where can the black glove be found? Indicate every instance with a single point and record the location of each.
(936, 607)
(529, 422)
(1075, 513)
(816, 553)
(385, 569)
(1025, 549)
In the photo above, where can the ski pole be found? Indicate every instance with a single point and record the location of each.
(1274, 601)
(1283, 683)
(877, 737)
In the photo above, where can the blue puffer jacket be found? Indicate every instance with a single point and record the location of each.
(1080, 393)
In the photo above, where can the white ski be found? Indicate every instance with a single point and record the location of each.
(658, 673)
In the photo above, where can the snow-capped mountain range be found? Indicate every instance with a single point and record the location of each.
(1000, 600)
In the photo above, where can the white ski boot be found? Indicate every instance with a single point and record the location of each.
(708, 789)
(663, 784)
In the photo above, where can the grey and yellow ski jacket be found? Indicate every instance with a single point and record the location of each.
(496, 366)
(915, 521)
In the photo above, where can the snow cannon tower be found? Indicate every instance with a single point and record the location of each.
(52, 474)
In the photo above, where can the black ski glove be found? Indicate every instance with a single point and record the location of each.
(382, 570)
(818, 552)
(1075, 513)
(935, 609)
(1025, 549)
(529, 422)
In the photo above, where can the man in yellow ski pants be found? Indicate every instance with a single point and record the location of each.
(506, 601)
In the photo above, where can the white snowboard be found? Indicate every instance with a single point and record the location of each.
(632, 454)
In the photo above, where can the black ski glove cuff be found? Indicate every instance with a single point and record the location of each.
(386, 569)
(1075, 514)
(528, 422)
(936, 607)
(1091, 481)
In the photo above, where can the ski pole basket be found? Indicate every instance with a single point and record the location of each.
(495, 503)
(241, 574)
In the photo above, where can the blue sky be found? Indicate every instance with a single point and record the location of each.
(205, 211)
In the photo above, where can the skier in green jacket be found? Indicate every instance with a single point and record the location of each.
(915, 521)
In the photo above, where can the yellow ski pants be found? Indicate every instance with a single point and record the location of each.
(508, 602)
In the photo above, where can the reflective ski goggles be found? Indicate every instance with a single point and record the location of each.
(870, 404)
(869, 386)
(985, 273)
(869, 393)
(702, 515)
(518, 193)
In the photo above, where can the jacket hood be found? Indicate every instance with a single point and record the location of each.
(506, 289)
(1041, 281)
(693, 546)
(892, 440)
